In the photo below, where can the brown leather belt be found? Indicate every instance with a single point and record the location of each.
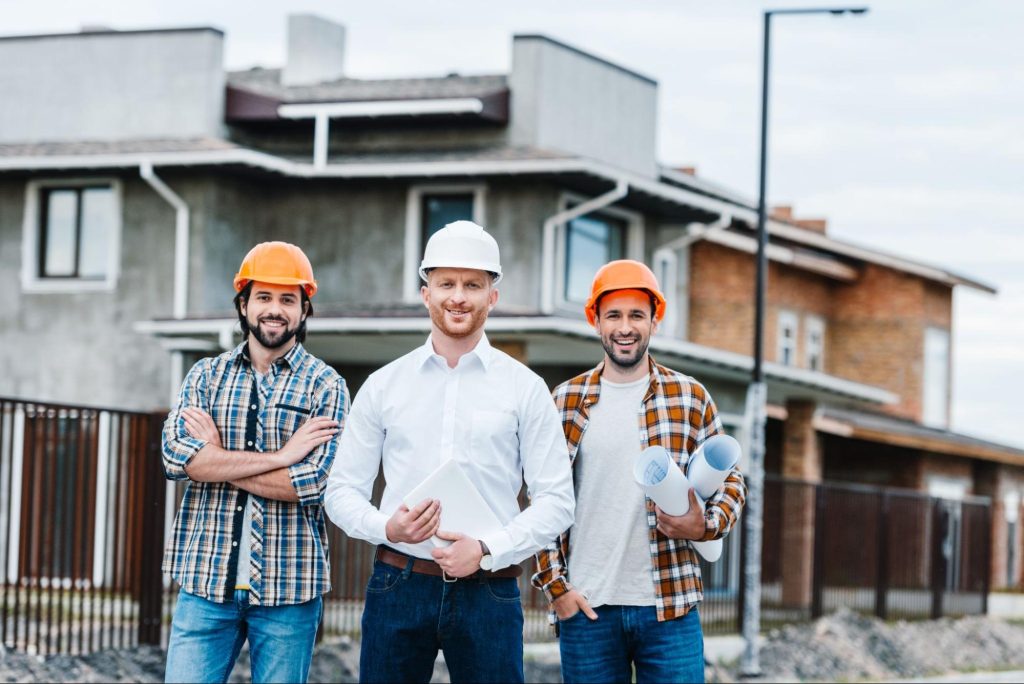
(426, 567)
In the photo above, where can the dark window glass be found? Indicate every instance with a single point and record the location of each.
(440, 210)
(75, 232)
(592, 241)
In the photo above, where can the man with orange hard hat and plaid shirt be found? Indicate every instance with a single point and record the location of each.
(624, 581)
(254, 433)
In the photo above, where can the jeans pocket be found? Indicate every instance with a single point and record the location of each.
(384, 578)
(571, 618)
(504, 590)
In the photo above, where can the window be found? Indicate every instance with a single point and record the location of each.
(428, 209)
(440, 210)
(591, 242)
(814, 344)
(935, 404)
(785, 353)
(71, 235)
(1011, 511)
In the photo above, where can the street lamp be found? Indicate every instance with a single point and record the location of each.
(757, 394)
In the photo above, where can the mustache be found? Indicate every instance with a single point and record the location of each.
(276, 319)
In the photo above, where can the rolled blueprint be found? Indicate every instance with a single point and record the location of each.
(664, 483)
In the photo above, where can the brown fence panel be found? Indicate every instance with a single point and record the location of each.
(81, 511)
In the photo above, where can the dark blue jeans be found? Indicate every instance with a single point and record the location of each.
(622, 637)
(476, 622)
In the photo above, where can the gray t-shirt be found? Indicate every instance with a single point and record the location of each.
(609, 554)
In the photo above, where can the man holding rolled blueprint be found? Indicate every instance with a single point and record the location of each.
(624, 581)
(455, 415)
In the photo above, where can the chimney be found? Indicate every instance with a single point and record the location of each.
(783, 212)
(316, 50)
(818, 225)
(688, 170)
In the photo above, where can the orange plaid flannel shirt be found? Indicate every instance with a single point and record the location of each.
(679, 414)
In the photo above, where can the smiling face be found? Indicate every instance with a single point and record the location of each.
(625, 323)
(273, 313)
(459, 300)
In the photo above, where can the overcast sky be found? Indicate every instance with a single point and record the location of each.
(902, 126)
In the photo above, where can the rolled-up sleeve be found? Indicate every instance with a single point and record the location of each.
(309, 476)
(722, 510)
(178, 447)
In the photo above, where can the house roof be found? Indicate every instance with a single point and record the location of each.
(267, 82)
(671, 197)
(875, 427)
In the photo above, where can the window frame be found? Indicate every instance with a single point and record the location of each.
(32, 278)
(785, 318)
(814, 324)
(633, 244)
(936, 414)
(414, 226)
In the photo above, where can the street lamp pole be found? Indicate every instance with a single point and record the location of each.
(757, 393)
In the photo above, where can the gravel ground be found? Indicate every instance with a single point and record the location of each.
(841, 647)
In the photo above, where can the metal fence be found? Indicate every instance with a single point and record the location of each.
(83, 520)
(81, 503)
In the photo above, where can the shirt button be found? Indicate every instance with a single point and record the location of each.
(234, 543)
(238, 508)
(249, 443)
(253, 406)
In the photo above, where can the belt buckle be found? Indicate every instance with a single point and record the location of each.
(448, 579)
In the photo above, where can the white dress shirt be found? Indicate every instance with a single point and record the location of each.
(490, 413)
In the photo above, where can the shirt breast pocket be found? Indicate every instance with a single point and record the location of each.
(493, 434)
(283, 420)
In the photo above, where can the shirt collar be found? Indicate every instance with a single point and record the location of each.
(483, 351)
(292, 359)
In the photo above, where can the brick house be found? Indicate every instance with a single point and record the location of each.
(136, 172)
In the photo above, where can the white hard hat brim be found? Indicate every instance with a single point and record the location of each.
(494, 269)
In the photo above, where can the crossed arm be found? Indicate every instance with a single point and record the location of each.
(263, 474)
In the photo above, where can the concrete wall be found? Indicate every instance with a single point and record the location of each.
(566, 99)
(80, 347)
(112, 85)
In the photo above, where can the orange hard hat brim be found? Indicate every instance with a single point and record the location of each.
(309, 287)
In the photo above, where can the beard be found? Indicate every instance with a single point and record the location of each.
(628, 360)
(272, 339)
(471, 322)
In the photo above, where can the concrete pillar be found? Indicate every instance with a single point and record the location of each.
(801, 460)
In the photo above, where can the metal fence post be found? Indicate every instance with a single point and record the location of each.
(882, 571)
(818, 572)
(940, 527)
(151, 553)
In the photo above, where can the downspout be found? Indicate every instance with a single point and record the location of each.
(547, 282)
(181, 237)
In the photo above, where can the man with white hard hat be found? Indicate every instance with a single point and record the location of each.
(454, 398)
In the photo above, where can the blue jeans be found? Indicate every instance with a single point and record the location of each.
(206, 638)
(477, 622)
(604, 650)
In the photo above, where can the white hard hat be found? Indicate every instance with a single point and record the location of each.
(461, 244)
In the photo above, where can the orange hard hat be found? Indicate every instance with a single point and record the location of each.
(624, 274)
(278, 263)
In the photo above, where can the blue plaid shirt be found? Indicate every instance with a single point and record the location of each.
(288, 555)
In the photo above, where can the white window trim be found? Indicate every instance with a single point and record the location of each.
(666, 269)
(413, 220)
(786, 317)
(634, 245)
(941, 419)
(31, 281)
(814, 324)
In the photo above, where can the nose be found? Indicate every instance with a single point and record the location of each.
(458, 294)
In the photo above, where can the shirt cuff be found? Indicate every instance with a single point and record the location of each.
(375, 523)
(501, 547)
(556, 588)
(178, 454)
(306, 480)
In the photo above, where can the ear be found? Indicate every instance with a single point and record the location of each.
(243, 304)
(492, 298)
(425, 295)
(654, 325)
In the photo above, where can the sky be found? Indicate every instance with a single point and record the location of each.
(904, 127)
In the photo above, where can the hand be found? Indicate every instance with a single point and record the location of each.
(309, 436)
(570, 603)
(199, 424)
(416, 525)
(460, 559)
(687, 526)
